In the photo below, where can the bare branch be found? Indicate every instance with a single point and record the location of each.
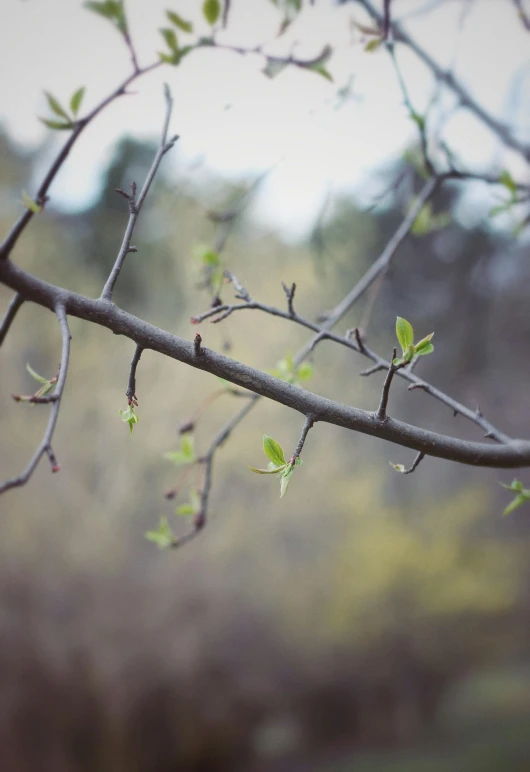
(46, 443)
(309, 422)
(513, 454)
(497, 127)
(135, 205)
(11, 312)
(41, 196)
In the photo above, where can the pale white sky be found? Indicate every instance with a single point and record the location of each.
(240, 122)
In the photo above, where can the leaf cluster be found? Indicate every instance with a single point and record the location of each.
(522, 496)
(405, 336)
(65, 120)
(277, 464)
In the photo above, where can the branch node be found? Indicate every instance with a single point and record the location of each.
(289, 294)
(56, 467)
(198, 351)
(415, 464)
(371, 370)
(381, 414)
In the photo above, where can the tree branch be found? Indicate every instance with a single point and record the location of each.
(135, 205)
(201, 517)
(11, 312)
(465, 98)
(361, 348)
(46, 443)
(12, 237)
(511, 455)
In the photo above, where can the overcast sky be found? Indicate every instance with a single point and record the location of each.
(238, 121)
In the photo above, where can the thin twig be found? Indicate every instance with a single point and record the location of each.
(135, 205)
(415, 464)
(46, 443)
(381, 410)
(201, 517)
(309, 422)
(131, 386)
(289, 294)
(371, 370)
(386, 19)
(11, 312)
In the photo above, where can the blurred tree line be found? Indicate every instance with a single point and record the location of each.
(350, 618)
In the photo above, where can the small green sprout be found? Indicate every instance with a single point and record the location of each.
(522, 495)
(128, 416)
(405, 336)
(186, 454)
(163, 537)
(277, 464)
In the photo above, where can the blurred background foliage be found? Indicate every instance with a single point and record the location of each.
(367, 621)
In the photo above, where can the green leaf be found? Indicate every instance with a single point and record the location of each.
(515, 504)
(77, 98)
(423, 348)
(186, 454)
(211, 10)
(206, 255)
(109, 9)
(419, 120)
(397, 362)
(507, 180)
(57, 125)
(268, 471)
(163, 536)
(500, 209)
(178, 21)
(405, 334)
(170, 38)
(373, 45)
(286, 479)
(274, 67)
(516, 485)
(273, 450)
(173, 58)
(30, 204)
(56, 106)
(185, 509)
(187, 446)
(35, 375)
(305, 371)
(398, 467)
(128, 416)
(321, 70)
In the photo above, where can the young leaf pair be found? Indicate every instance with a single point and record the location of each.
(522, 496)
(277, 464)
(405, 336)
